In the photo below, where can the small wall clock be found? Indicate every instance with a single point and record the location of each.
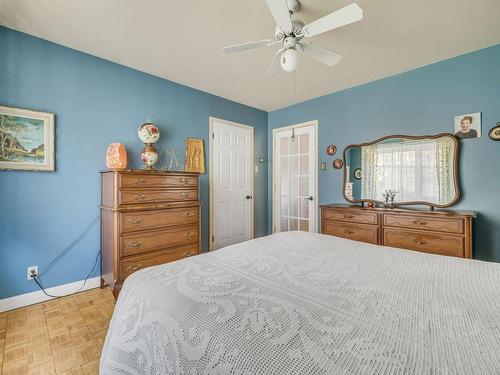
(357, 173)
(495, 132)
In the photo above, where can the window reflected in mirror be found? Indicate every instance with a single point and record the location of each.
(418, 169)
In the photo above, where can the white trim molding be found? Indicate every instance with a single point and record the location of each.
(27, 299)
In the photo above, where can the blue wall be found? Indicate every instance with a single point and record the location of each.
(96, 102)
(422, 101)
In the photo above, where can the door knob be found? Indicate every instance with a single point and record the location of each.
(248, 196)
(309, 198)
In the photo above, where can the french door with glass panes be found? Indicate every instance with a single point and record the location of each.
(295, 178)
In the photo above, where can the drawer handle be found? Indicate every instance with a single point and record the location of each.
(184, 195)
(140, 180)
(420, 222)
(184, 181)
(348, 216)
(189, 214)
(348, 231)
(134, 221)
(135, 244)
(191, 253)
(419, 242)
(134, 268)
(140, 197)
(189, 234)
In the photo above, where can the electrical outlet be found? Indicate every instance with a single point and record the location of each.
(30, 270)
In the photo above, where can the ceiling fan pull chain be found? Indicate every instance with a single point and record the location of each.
(295, 82)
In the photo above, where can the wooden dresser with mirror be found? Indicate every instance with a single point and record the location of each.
(422, 171)
(147, 218)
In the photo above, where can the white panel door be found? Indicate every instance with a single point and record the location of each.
(232, 183)
(295, 175)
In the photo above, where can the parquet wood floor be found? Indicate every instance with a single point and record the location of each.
(61, 336)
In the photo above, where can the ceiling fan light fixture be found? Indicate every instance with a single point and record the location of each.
(290, 60)
(292, 35)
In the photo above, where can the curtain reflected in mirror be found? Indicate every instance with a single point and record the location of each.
(418, 169)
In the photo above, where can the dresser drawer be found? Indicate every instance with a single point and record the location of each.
(145, 180)
(423, 222)
(156, 196)
(430, 243)
(131, 244)
(350, 216)
(132, 264)
(356, 232)
(132, 221)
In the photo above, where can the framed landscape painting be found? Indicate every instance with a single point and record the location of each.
(26, 139)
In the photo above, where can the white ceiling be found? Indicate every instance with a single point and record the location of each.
(182, 40)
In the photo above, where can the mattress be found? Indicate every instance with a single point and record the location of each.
(305, 303)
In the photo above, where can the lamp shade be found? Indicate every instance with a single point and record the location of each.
(116, 157)
(290, 60)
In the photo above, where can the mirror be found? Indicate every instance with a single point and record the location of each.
(417, 169)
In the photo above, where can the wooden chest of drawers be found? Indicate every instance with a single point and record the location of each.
(147, 218)
(444, 232)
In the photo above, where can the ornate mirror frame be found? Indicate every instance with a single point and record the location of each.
(410, 137)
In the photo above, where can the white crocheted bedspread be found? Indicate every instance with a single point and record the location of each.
(302, 303)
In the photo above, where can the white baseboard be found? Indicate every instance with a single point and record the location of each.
(27, 299)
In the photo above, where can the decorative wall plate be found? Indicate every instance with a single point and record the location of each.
(357, 174)
(495, 132)
(331, 150)
(338, 163)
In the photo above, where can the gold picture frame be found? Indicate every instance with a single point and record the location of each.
(195, 156)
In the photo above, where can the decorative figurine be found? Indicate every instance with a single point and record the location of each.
(173, 164)
(389, 198)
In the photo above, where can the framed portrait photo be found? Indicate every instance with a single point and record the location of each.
(26, 139)
(468, 126)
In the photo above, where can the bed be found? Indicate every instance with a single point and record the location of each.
(304, 303)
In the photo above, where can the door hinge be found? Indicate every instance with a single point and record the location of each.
(213, 135)
(213, 239)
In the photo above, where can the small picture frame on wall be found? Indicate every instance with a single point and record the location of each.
(338, 163)
(331, 150)
(26, 139)
(468, 126)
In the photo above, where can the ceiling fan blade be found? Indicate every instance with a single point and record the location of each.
(349, 14)
(321, 54)
(281, 13)
(251, 45)
(274, 67)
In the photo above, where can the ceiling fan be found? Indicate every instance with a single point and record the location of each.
(291, 35)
